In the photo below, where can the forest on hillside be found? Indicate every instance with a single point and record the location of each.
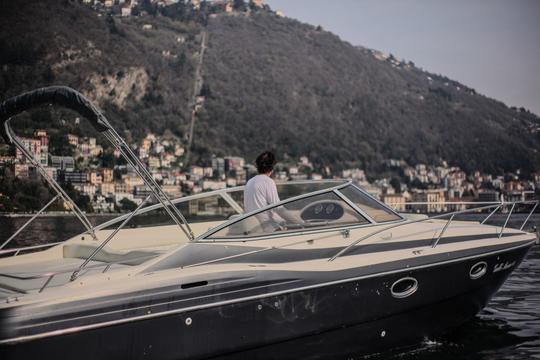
(269, 83)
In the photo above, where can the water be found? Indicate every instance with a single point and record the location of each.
(508, 328)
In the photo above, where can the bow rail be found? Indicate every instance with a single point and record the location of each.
(491, 205)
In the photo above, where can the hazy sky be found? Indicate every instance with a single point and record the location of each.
(492, 46)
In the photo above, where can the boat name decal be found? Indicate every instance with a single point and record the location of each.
(503, 266)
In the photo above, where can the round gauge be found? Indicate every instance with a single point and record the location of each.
(330, 208)
(318, 209)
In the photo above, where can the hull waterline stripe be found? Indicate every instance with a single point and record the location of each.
(254, 297)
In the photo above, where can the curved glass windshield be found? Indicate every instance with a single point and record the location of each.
(370, 206)
(287, 190)
(316, 211)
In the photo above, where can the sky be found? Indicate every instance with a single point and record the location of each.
(492, 46)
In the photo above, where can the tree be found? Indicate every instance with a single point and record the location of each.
(396, 184)
(127, 205)
(239, 5)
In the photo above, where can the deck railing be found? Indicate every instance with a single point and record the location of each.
(497, 206)
(48, 277)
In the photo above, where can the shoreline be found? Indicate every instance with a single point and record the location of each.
(56, 214)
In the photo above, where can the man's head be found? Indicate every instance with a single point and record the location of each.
(265, 162)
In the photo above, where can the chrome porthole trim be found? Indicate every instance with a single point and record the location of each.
(478, 270)
(410, 286)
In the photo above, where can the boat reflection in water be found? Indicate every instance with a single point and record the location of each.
(213, 280)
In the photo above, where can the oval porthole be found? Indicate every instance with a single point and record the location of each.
(404, 287)
(478, 270)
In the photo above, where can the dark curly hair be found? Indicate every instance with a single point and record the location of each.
(265, 162)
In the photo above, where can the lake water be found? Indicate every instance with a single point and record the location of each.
(508, 328)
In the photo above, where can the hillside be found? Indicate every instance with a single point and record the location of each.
(269, 82)
(141, 78)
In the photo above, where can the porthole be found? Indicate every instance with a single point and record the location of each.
(478, 270)
(404, 287)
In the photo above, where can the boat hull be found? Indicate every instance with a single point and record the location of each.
(365, 308)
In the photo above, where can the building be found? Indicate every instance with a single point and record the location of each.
(87, 189)
(107, 175)
(21, 171)
(153, 162)
(95, 178)
(433, 198)
(218, 166)
(65, 163)
(31, 145)
(76, 177)
(256, 3)
(120, 188)
(213, 185)
(233, 162)
(106, 188)
(354, 174)
(131, 182)
(395, 201)
(73, 139)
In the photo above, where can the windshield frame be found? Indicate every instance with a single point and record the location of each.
(206, 236)
(380, 202)
(224, 193)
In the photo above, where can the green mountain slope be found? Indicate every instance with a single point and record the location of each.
(269, 82)
(281, 84)
(142, 79)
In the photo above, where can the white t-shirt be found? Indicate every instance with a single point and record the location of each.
(260, 191)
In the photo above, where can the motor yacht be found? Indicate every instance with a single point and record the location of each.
(197, 277)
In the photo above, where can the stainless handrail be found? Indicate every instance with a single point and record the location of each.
(118, 142)
(106, 266)
(57, 188)
(106, 241)
(493, 212)
(443, 231)
(29, 221)
(507, 218)
(27, 248)
(530, 214)
(500, 204)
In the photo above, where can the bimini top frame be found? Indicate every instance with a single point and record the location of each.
(72, 99)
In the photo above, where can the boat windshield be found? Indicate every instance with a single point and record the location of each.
(321, 210)
(287, 190)
(214, 207)
(373, 208)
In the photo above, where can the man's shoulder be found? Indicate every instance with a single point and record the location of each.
(260, 180)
